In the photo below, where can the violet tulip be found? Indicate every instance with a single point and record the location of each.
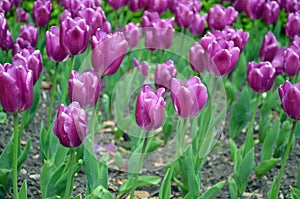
(164, 74)
(292, 27)
(142, 67)
(5, 5)
(198, 24)
(108, 51)
(3, 26)
(19, 45)
(271, 12)
(269, 47)
(150, 108)
(158, 6)
(84, 88)
(42, 12)
(133, 34)
(291, 6)
(188, 98)
(74, 35)
(199, 59)
(260, 76)
(32, 59)
(290, 99)
(148, 18)
(16, 88)
(133, 5)
(117, 4)
(54, 49)
(30, 33)
(22, 15)
(239, 37)
(219, 17)
(278, 61)
(291, 62)
(70, 126)
(184, 15)
(255, 8)
(94, 18)
(7, 43)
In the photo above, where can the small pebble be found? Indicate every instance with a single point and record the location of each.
(23, 172)
(35, 176)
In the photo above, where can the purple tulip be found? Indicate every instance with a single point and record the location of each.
(150, 108)
(32, 59)
(74, 35)
(108, 52)
(91, 3)
(5, 5)
(278, 61)
(160, 36)
(142, 67)
(73, 6)
(3, 26)
(199, 59)
(158, 6)
(133, 5)
(148, 18)
(133, 34)
(195, 4)
(188, 98)
(291, 62)
(239, 37)
(22, 15)
(70, 126)
(255, 8)
(292, 26)
(198, 24)
(117, 4)
(219, 17)
(292, 5)
(164, 74)
(84, 88)
(30, 33)
(290, 98)
(260, 76)
(16, 88)
(93, 17)
(41, 12)
(239, 5)
(269, 47)
(7, 43)
(17, 3)
(271, 12)
(54, 49)
(64, 15)
(184, 15)
(295, 44)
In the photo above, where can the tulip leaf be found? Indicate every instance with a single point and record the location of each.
(23, 190)
(295, 193)
(282, 139)
(273, 193)
(3, 117)
(79, 196)
(233, 190)
(24, 154)
(165, 189)
(233, 148)
(266, 165)
(269, 142)
(100, 193)
(212, 191)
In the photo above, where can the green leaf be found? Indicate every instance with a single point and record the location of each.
(266, 165)
(79, 196)
(24, 154)
(153, 145)
(273, 194)
(4, 174)
(231, 91)
(295, 193)
(269, 142)
(282, 138)
(3, 117)
(23, 190)
(233, 190)
(100, 193)
(246, 167)
(165, 189)
(212, 191)
(233, 148)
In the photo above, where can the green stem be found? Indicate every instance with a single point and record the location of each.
(65, 91)
(52, 96)
(136, 177)
(180, 137)
(15, 157)
(69, 189)
(286, 155)
(254, 111)
(92, 125)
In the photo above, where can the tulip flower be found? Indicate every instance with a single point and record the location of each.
(278, 61)
(292, 27)
(199, 59)
(291, 62)
(70, 126)
(184, 15)
(17, 3)
(16, 88)
(269, 47)
(30, 33)
(133, 5)
(42, 12)
(148, 18)
(271, 12)
(32, 59)
(143, 67)
(54, 49)
(260, 76)
(94, 18)
(73, 6)
(84, 88)
(291, 6)
(198, 25)
(22, 15)
(5, 5)
(188, 98)
(255, 8)
(108, 51)
(150, 108)
(3, 27)
(133, 34)
(164, 74)
(195, 4)
(19, 45)
(239, 37)
(219, 17)
(74, 35)
(6, 43)
(117, 4)
(290, 98)
(158, 6)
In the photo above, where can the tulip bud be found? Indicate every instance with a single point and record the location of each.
(260, 76)
(219, 17)
(133, 34)
(22, 15)
(32, 59)
(148, 18)
(291, 62)
(291, 6)
(19, 45)
(271, 12)
(70, 126)
(108, 51)
(292, 27)
(93, 17)
(278, 61)
(198, 24)
(158, 6)
(269, 47)
(54, 49)
(41, 12)
(74, 35)
(239, 37)
(117, 4)
(133, 5)
(290, 98)
(164, 74)
(142, 67)
(30, 33)
(6, 43)
(199, 59)
(188, 98)
(84, 88)
(73, 6)
(255, 8)
(184, 15)
(5, 5)
(16, 88)
(150, 108)
(3, 26)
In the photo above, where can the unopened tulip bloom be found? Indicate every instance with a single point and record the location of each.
(199, 59)
(19, 45)
(158, 6)
(30, 33)
(42, 12)
(6, 43)
(291, 6)
(54, 49)
(133, 5)
(148, 18)
(108, 51)
(16, 88)
(291, 62)
(143, 67)
(150, 108)
(117, 4)
(255, 8)
(198, 24)
(278, 61)
(22, 15)
(271, 12)
(32, 59)
(133, 34)
(219, 17)
(74, 35)
(3, 26)
(93, 17)
(73, 6)
(184, 15)
(269, 47)
(188, 98)
(260, 76)
(84, 88)
(164, 74)
(5, 5)
(292, 27)
(290, 99)
(239, 37)
(70, 126)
